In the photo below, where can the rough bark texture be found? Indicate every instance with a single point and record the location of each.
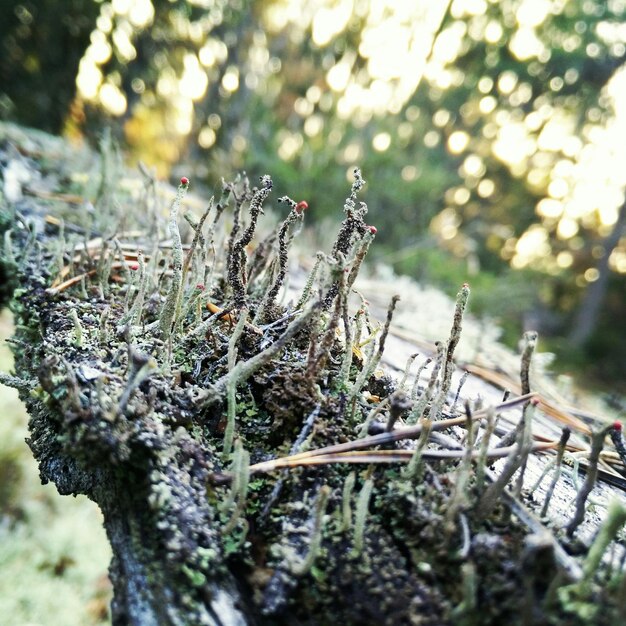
(135, 418)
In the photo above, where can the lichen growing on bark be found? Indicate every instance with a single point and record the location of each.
(140, 413)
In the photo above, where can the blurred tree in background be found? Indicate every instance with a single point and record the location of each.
(494, 132)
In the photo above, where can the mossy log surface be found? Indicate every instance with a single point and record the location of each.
(160, 377)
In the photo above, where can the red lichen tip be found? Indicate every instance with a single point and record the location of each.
(534, 401)
(200, 287)
(617, 425)
(184, 181)
(133, 266)
(465, 286)
(303, 205)
(373, 229)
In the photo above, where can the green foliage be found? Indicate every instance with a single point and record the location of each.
(42, 43)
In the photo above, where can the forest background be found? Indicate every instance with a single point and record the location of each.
(493, 133)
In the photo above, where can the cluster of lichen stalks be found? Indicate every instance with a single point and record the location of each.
(279, 401)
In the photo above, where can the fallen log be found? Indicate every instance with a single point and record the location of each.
(249, 458)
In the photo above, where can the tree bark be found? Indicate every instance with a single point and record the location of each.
(586, 319)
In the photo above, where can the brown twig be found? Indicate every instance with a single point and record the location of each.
(408, 432)
(411, 432)
(374, 456)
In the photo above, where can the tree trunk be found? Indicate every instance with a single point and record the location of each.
(586, 319)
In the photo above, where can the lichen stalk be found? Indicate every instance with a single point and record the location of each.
(530, 342)
(294, 216)
(302, 568)
(360, 516)
(197, 236)
(418, 374)
(407, 369)
(134, 314)
(353, 225)
(15, 382)
(370, 366)
(231, 415)
(122, 264)
(197, 241)
(399, 402)
(464, 378)
(514, 461)
(346, 508)
(420, 406)
(615, 519)
(31, 241)
(196, 304)
(61, 247)
(152, 267)
(231, 387)
(464, 612)
(459, 500)
(136, 378)
(448, 364)
(597, 443)
(560, 451)
(78, 329)
(236, 269)
(240, 198)
(354, 218)
(359, 257)
(234, 338)
(322, 346)
(83, 288)
(170, 306)
(412, 471)
(346, 363)
(244, 369)
(103, 270)
(308, 286)
(239, 489)
(103, 335)
(484, 447)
